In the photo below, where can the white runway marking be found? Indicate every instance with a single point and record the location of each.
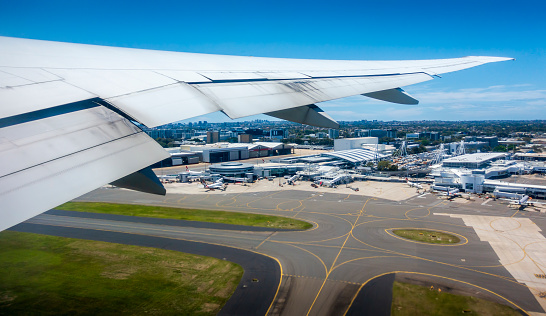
(422, 196)
(484, 203)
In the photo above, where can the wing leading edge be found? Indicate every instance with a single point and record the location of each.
(73, 104)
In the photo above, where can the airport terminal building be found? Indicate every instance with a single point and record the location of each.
(472, 161)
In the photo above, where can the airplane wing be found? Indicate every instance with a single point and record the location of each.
(68, 110)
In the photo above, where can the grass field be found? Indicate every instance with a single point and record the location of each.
(428, 236)
(188, 214)
(410, 300)
(46, 275)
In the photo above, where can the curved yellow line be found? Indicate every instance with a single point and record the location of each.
(437, 276)
(319, 259)
(310, 243)
(362, 258)
(389, 231)
(210, 243)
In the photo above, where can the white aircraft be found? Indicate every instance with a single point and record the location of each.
(292, 180)
(218, 185)
(68, 111)
(413, 184)
(523, 202)
(450, 194)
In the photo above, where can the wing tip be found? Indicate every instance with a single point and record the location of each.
(490, 59)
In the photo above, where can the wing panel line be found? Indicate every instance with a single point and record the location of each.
(48, 112)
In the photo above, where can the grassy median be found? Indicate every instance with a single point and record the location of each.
(410, 299)
(46, 275)
(428, 236)
(187, 214)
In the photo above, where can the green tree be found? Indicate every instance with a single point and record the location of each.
(384, 140)
(500, 149)
(383, 165)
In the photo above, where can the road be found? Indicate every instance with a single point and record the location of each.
(331, 269)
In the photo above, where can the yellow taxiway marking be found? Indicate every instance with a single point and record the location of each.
(270, 235)
(335, 260)
(204, 242)
(263, 197)
(135, 227)
(319, 259)
(362, 258)
(389, 231)
(432, 275)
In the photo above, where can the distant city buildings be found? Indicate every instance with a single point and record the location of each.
(278, 134)
(379, 133)
(244, 138)
(213, 137)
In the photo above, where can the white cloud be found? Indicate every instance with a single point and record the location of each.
(489, 94)
(537, 102)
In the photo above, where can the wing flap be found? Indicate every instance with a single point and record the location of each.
(243, 99)
(34, 97)
(165, 105)
(72, 164)
(33, 75)
(183, 76)
(10, 80)
(111, 83)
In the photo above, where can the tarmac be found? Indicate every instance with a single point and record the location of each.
(338, 266)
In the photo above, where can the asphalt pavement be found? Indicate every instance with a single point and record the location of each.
(329, 269)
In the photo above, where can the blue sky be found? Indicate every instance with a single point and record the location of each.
(330, 30)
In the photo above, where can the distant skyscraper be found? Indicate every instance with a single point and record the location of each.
(333, 133)
(212, 137)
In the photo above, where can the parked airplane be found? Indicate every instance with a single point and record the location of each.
(218, 185)
(523, 202)
(76, 105)
(414, 185)
(451, 194)
(292, 180)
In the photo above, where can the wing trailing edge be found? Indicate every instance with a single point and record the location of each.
(52, 156)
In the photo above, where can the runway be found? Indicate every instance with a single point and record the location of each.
(321, 271)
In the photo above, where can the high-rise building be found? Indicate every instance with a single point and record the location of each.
(213, 137)
(244, 138)
(333, 133)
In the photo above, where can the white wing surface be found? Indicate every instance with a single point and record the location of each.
(66, 109)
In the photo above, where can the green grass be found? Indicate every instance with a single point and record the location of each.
(410, 300)
(46, 275)
(428, 236)
(188, 214)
